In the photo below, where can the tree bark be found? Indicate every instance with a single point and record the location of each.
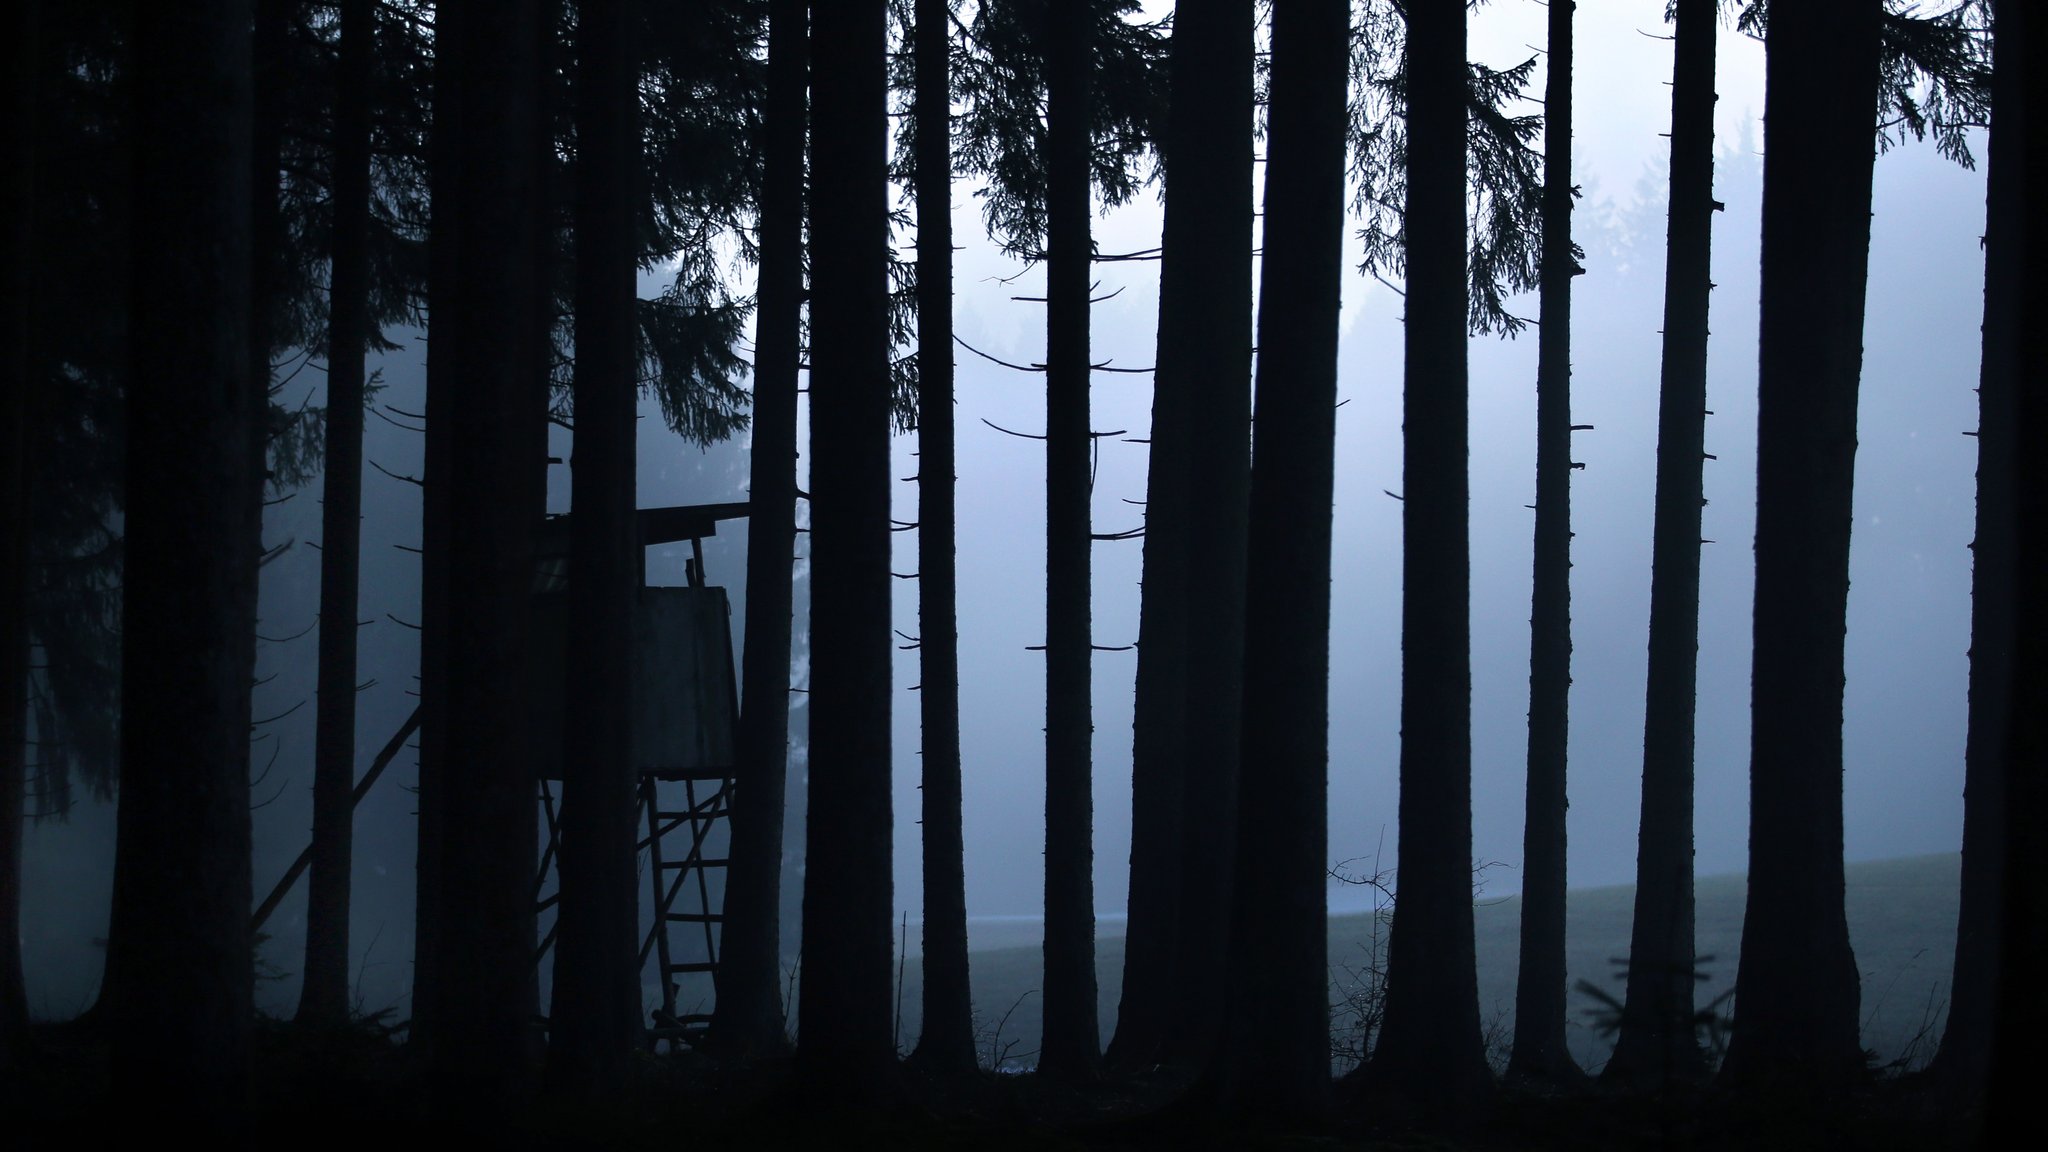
(19, 121)
(443, 410)
(1071, 1047)
(2013, 1090)
(845, 1054)
(182, 1005)
(594, 1021)
(1430, 1055)
(1539, 1046)
(1658, 1043)
(1216, 154)
(1275, 1065)
(323, 997)
(947, 1043)
(749, 1014)
(1966, 1042)
(1796, 986)
(484, 1048)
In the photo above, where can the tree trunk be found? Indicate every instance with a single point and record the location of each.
(845, 1054)
(2022, 1003)
(17, 218)
(182, 1005)
(1216, 154)
(1276, 1063)
(1796, 986)
(1539, 1047)
(484, 1045)
(749, 1015)
(947, 1043)
(1072, 1045)
(594, 1022)
(1429, 1054)
(1966, 1042)
(323, 998)
(1658, 1043)
(443, 411)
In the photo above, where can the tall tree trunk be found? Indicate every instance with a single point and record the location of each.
(1796, 986)
(182, 1005)
(594, 1022)
(1539, 1046)
(845, 1054)
(1276, 1059)
(1211, 146)
(2022, 1002)
(1429, 1050)
(483, 1049)
(17, 206)
(749, 1018)
(1966, 1042)
(1072, 1045)
(1658, 1043)
(947, 1043)
(443, 411)
(323, 998)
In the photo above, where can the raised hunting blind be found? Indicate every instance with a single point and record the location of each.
(685, 711)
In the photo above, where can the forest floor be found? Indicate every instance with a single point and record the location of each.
(356, 1088)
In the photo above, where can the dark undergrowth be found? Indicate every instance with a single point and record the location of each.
(355, 1087)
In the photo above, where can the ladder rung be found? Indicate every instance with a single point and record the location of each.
(718, 862)
(693, 966)
(696, 918)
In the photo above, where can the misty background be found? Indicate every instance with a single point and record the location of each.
(1909, 603)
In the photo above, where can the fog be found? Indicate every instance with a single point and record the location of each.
(1909, 600)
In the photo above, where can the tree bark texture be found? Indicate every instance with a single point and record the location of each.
(1658, 1043)
(1796, 985)
(1275, 1063)
(1966, 1041)
(594, 1022)
(484, 1049)
(749, 1015)
(323, 996)
(17, 201)
(947, 1043)
(845, 1052)
(1072, 1045)
(182, 1005)
(1429, 1051)
(1539, 1047)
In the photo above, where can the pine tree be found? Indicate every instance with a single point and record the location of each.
(1275, 1061)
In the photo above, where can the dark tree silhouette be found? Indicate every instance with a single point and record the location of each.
(1797, 989)
(17, 218)
(1072, 1045)
(485, 1043)
(1539, 1047)
(1188, 703)
(1275, 1061)
(947, 1042)
(748, 1017)
(1429, 1053)
(182, 993)
(1995, 613)
(844, 1052)
(595, 1018)
(323, 996)
(1657, 1042)
(2018, 155)
(443, 411)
